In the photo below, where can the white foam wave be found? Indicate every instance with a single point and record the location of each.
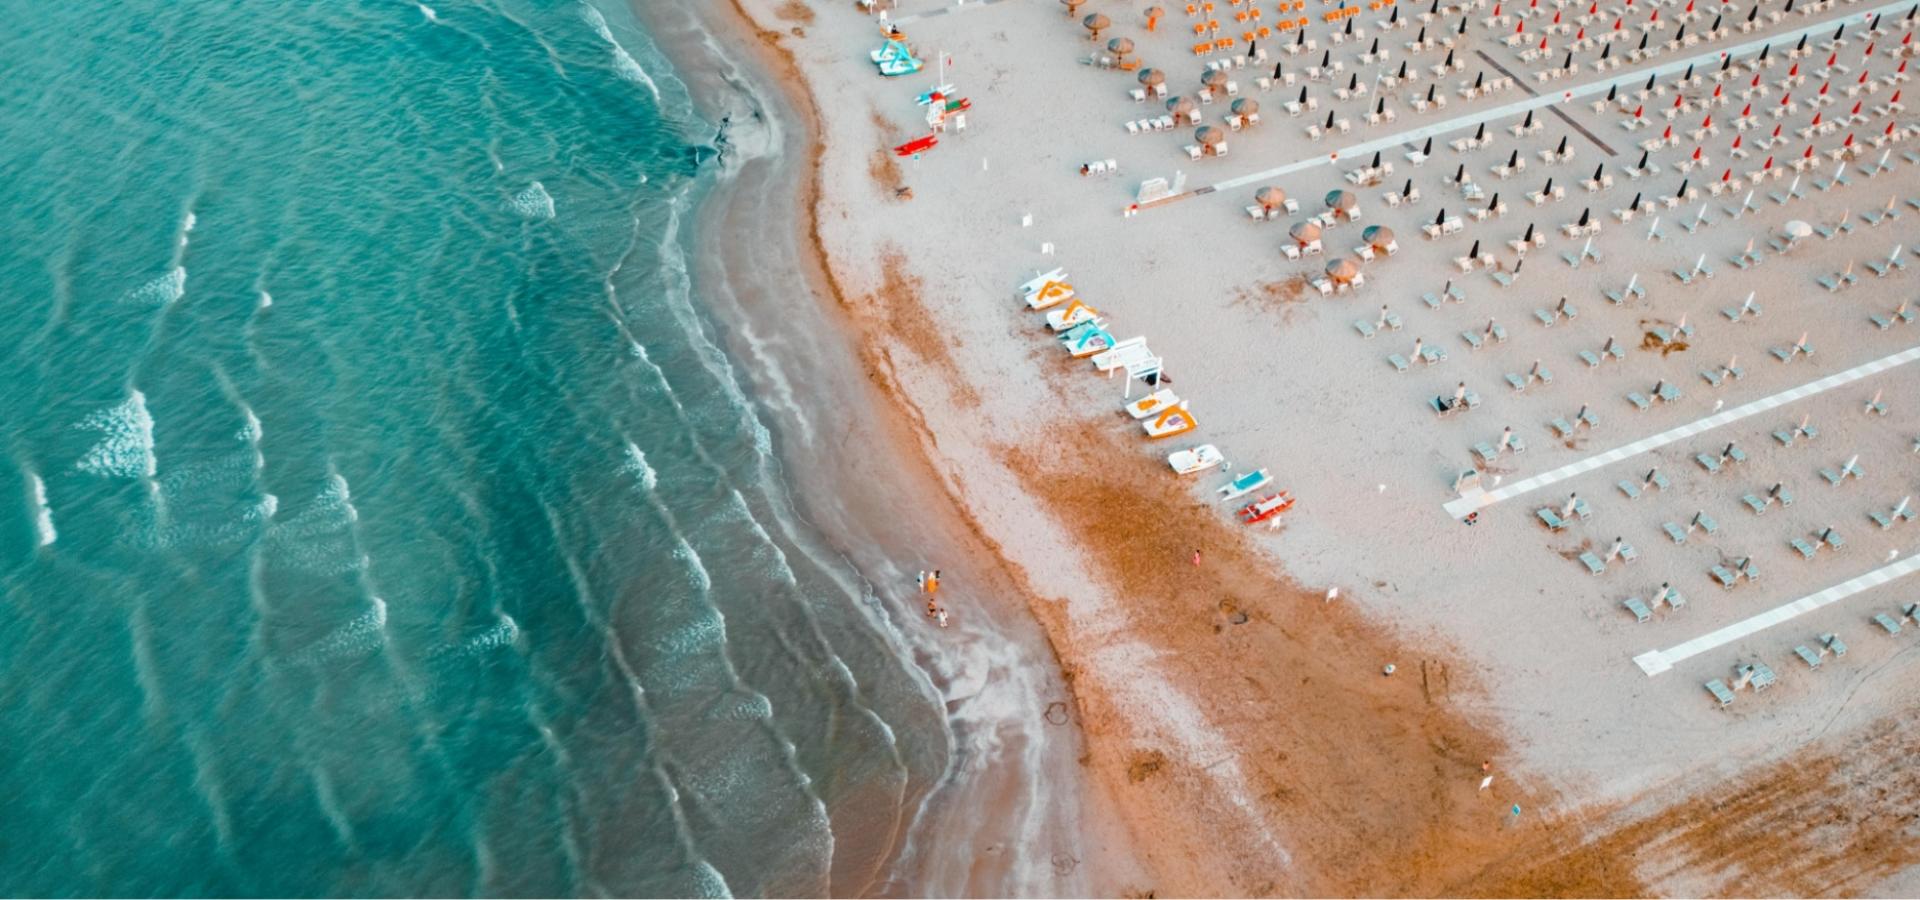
(533, 202)
(364, 633)
(160, 291)
(42, 513)
(624, 64)
(427, 11)
(125, 448)
(191, 220)
(266, 299)
(251, 432)
(696, 572)
(708, 882)
(636, 465)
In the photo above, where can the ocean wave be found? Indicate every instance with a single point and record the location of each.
(636, 465)
(266, 299)
(160, 291)
(624, 64)
(427, 11)
(125, 448)
(363, 634)
(533, 202)
(42, 513)
(696, 571)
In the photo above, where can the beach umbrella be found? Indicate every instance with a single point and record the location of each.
(1072, 6)
(1270, 197)
(1797, 229)
(1213, 78)
(1305, 232)
(1342, 269)
(1120, 46)
(1207, 135)
(1152, 78)
(1245, 106)
(1181, 106)
(1377, 236)
(1342, 201)
(1096, 23)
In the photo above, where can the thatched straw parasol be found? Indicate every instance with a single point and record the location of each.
(1096, 23)
(1305, 232)
(1342, 269)
(1377, 236)
(1245, 106)
(1270, 197)
(1208, 135)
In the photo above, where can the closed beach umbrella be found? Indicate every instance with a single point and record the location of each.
(1342, 201)
(1208, 135)
(1214, 78)
(1271, 198)
(1305, 232)
(1377, 236)
(1342, 269)
(1246, 106)
(1096, 23)
(1152, 78)
(1181, 106)
(1120, 46)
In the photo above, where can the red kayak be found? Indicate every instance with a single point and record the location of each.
(916, 145)
(1266, 508)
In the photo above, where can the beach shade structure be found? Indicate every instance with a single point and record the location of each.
(1181, 106)
(1096, 23)
(1342, 202)
(1213, 80)
(1155, 12)
(1152, 78)
(1073, 6)
(1270, 198)
(1209, 137)
(1379, 237)
(1304, 233)
(1798, 230)
(1245, 106)
(1120, 47)
(1342, 270)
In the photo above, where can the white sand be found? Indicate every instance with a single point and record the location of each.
(1292, 387)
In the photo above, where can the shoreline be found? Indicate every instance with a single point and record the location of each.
(959, 799)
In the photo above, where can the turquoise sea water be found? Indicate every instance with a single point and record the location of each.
(380, 515)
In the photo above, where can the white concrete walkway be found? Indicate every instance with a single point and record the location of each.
(1654, 662)
(1469, 502)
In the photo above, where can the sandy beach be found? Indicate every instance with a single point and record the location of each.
(1228, 681)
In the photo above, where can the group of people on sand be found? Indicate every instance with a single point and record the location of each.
(930, 585)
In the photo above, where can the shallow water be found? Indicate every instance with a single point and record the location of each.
(384, 517)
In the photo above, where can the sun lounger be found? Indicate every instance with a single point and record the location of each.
(1834, 644)
(1639, 609)
(1836, 477)
(1675, 532)
(1719, 691)
(1628, 488)
(1709, 462)
(1639, 401)
(1800, 546)
(1725, 578)
(1886, 622)
(1593, 563)
(1398, 362)
(1807, 656)
(1833, 540)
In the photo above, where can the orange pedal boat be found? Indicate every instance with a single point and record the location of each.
(1266, 508)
